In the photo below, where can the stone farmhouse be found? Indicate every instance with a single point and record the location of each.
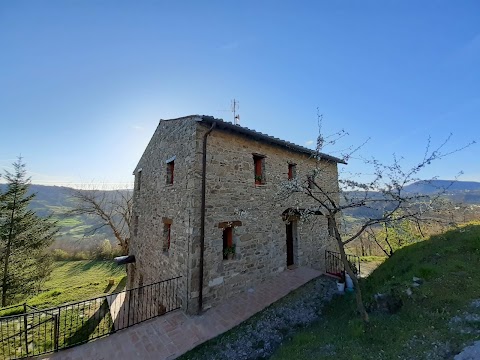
(208, 206)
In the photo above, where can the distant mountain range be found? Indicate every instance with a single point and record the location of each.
(451, 186)
(57, 200)
(467, 192)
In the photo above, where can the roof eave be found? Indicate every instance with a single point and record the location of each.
(220, 124)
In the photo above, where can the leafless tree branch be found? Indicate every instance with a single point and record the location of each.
(112, 209)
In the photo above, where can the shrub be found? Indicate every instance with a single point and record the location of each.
(81, 255)
(59, 254)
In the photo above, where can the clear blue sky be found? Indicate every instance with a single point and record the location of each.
(84, 83)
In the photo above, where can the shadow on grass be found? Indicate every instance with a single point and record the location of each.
(121, 285)
(81, 265)
(93, 327)
(85, 265)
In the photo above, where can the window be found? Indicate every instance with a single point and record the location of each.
(139, 179)
(167, 234)
(331, 231)
(167, 229)
(228, 246)
(259, 169)
(292, 171)
(170, 170)
(135, 225)
(310, 181)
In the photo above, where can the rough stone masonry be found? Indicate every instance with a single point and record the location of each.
(245, 206)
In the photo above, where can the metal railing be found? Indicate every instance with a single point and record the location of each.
(334, 265)
(41, 331)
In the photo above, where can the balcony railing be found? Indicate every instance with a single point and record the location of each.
(334, 265)
(41, 331)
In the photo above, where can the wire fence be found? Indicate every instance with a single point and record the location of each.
(41, 331)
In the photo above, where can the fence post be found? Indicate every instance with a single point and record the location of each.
(25, 324)
(56, 326)
(129, 302)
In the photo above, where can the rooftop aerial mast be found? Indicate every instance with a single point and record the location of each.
(236, 117)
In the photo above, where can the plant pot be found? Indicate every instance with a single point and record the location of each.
(341, 287)
(348, 281)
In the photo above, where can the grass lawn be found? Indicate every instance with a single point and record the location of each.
(70, 281)
(77, 280)
(433, 322)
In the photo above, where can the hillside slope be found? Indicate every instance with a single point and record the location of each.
(57, 201)
(436, 321)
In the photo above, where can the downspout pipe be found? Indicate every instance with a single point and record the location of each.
(202, 216)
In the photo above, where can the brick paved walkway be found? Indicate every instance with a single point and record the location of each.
(173, 334)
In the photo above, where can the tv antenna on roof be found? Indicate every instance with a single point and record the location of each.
(236, 117)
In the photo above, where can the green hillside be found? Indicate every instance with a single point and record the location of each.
(77, 280)
(436, 321)
(57, 201)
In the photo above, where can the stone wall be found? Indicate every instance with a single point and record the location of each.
(261, 239)
(157, 201)
(231, 196)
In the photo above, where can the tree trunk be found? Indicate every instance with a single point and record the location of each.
(358, 293)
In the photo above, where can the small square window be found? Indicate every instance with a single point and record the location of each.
(310, 181)
(139, 179)
(259, 169)
(228, 245)
(167, 234)
(167, 231)
(331, 231)
(170, 171)
(292, 171)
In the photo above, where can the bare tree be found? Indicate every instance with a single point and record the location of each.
(112, 209)
(383, 195)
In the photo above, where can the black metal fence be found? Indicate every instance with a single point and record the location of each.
(334, 265)
(38, 331)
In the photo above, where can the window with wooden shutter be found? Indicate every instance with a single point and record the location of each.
(228, 243)
(259, 169)
(292, 171)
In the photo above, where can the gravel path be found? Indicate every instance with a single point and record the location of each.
(468, 323)
(261, 335)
